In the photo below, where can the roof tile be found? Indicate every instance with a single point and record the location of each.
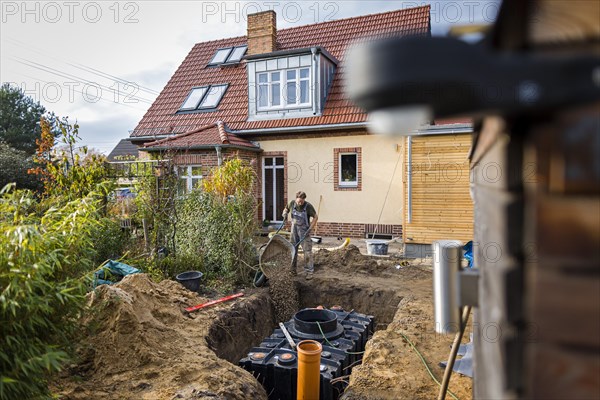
(335, 36)
(209, 135)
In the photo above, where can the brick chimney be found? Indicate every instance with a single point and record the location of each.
(262, 32)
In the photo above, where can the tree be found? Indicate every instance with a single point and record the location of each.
(13, 168)
(69, 173)
(19, 119)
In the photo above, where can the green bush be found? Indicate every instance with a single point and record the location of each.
(110, 241)
(42, 255)
(219, 223)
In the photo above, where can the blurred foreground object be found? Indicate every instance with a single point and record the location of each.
(535, 182)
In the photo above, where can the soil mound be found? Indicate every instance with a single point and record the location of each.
(140, 345)
(350, 259)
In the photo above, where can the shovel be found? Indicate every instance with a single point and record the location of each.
(318, 239)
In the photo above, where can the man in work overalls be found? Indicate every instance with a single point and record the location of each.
(304, 218)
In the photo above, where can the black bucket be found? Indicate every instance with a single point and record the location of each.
(190, 280)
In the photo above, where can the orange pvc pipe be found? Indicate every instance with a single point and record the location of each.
(309, 373)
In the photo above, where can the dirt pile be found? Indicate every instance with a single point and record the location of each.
(391, 369)
(351, 260)
(140, 345)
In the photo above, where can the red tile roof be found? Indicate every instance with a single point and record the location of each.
(206, 136)
(334, 36)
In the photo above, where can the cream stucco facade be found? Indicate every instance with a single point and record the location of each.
(310, 166)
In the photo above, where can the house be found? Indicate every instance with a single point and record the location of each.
(125, 150)
(276, 98)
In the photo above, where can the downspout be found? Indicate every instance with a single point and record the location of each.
(316, 75)
(409, 179)
(219, 155)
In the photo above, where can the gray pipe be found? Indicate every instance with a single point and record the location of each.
(316, 76)
(447, 255)
(219, 155)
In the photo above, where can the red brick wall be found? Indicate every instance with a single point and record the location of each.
(336, 168)
(355, 230)
(262, 32)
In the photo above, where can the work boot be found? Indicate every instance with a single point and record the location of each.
(309, 275)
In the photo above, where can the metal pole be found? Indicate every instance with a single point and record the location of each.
(447, 256)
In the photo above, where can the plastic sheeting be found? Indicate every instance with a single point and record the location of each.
(113, 272)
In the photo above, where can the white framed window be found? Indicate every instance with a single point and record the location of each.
(348, 173)
(289, 88)
(228, 55)
(189, 178)
(204, 97)
(193, 100)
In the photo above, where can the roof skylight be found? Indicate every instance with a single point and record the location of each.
(193, 99)
(214, 96)
(228, 55)
(220, 56)
(204, 97)
(237, 54)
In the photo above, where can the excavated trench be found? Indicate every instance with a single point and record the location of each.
(236, 331)
(240, 328)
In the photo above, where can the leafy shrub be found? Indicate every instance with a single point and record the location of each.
(42, 255)
(13, 168)
(110, 240)
(219, 222)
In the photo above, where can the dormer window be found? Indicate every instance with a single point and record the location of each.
(204, 98)
(228, 55)
(289, 84)
(284, 89)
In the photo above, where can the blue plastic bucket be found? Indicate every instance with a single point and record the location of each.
(190, 280)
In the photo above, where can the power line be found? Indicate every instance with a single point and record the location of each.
(79, 91)
(82, 66)
(33, 64)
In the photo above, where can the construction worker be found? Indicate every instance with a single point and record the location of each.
(304, 218)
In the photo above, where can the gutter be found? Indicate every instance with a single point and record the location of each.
(292, 52)
(202, 147)
(352, 125)
(142, 138)
(438, 130)
(454, 129)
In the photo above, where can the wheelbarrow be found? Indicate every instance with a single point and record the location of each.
(278, 253)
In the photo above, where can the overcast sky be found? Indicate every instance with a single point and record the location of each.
(102, 63)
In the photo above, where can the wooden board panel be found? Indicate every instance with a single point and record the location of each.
(569, 230)
(559, 373)
(441, 203)
(567, 308)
